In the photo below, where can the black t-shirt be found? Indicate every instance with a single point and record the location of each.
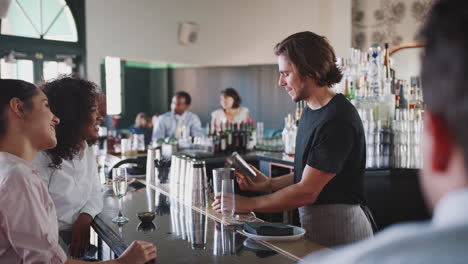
(331, 139)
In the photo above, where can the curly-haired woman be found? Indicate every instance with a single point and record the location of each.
(69, 170)
(28, 220)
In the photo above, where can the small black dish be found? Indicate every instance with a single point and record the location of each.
(146, 227)
(146, 217)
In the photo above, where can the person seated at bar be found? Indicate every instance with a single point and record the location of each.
(142, 127)
(28, 219)
(444, 174)
(154, 121)
(69, 170)
(231, 110)
(172, 124)
(327, 185)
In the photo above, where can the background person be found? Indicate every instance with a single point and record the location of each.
(230, 109)
(69, 170)
(142, 127)
(170, 124)
(28, 220)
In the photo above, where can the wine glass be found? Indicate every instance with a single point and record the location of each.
(119, 183)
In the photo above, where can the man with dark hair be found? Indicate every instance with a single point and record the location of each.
(444, 175)
(327, 184)
(179, 120)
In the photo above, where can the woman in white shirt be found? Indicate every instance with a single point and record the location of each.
(28, 221)
(69, 170)
(231, 110)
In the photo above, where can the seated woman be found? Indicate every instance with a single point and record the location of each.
(28, 219)
(142, 127)
(231, 110)
(69, 170)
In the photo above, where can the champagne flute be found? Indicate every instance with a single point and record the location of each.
(119, 183)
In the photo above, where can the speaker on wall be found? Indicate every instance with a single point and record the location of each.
(188, 32)
(4, 4)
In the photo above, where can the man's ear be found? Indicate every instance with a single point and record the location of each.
(17, 107)
(442, 141)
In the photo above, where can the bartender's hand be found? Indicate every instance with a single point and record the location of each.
(260, 183)
(80, 235)
(139, 252)
(243, 204)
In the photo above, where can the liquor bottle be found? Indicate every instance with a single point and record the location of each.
(374, 72)
(236, 139)
(252, 135)
(299, 108)
(228, 135)
(222, 138)
(351, 91)
(208, 134)
(217, 141)
(387, 61)
(242, 136)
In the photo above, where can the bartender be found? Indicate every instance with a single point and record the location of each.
(328, 180)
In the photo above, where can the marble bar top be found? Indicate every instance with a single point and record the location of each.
(295, 249)
(185, 235)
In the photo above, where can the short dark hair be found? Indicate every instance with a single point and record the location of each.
(231, 92)
(72, 100)
(312, 55)
(188, 98)
(445, 66)
(10, 89)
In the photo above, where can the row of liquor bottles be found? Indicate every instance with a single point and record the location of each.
(390, 109)
(227, 137)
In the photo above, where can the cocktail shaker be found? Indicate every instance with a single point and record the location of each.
(237, 162)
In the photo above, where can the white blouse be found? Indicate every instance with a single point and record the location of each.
(218, 116)
(75, 188)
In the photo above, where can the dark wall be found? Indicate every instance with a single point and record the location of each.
(150, 90)
(257, 85)
(144, 90)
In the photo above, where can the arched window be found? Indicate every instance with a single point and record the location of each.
(41, 39)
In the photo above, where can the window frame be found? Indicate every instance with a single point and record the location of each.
(40, 50)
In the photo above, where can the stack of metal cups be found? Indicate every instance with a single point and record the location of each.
(187, 185)
(174, 175)
(181, 177)
(188, 181)
(198, 230)
(150, 169)
(198, 183)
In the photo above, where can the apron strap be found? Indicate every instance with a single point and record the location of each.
(368, 213)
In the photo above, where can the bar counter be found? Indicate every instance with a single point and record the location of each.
(185, 235)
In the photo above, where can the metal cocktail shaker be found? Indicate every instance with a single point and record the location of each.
(237, 162)
(199, 196)
(150, 172)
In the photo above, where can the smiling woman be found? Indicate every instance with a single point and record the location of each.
(28, 218)
(69, 170)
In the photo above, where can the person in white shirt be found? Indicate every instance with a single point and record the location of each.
(178, 120)
(444, 175)
(69, 170)
(28, 220)
(231, 110)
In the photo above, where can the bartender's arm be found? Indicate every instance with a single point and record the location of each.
(262, 183)
(288, 195)
(293, 196)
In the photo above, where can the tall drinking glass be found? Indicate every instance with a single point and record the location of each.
(220, 174)
(119, 183)
(228, 200)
